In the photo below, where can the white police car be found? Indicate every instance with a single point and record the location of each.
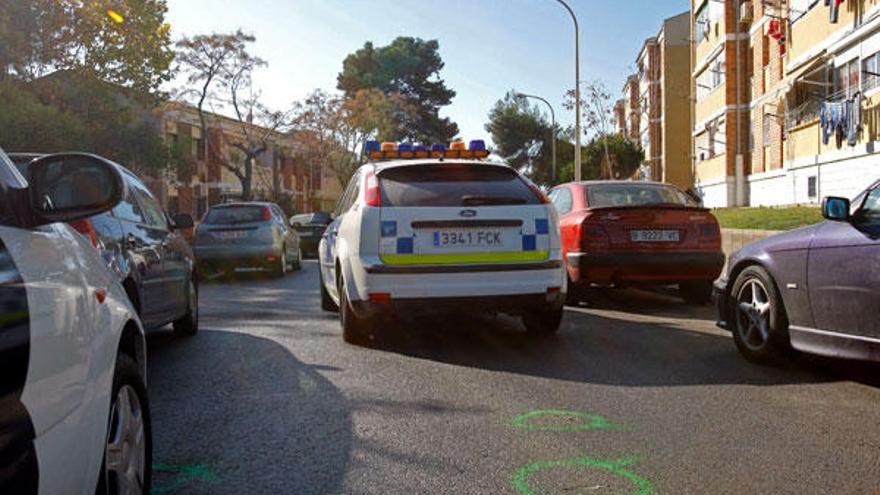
(74, 417)
(434, 230)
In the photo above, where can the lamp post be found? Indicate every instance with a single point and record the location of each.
(577, 92)
(553, 136)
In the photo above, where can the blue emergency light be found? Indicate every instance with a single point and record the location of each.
(376, 150)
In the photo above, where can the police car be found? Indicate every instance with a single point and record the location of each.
(74, 416)
(422, 230)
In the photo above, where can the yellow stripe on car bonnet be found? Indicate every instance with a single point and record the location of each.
(451, 259)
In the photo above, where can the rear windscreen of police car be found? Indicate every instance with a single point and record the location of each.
(446, 185)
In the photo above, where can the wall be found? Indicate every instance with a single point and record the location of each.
(676, 111)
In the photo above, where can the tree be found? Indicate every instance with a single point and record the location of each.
(626, 157)
(598, 117)
(334, 129)
(208, 60)
(408, 67)
(126, 42)
(522, 137)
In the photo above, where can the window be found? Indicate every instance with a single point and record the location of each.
(199, 145)
(234, 214)
(846, 80)
(799, 8)
(454, 185)
(711, 78)
(636, 195)
(350, 195)
(871, 209)
(871, 68)
(702, 22)
(766, 120)
(562, 200)
(153, 213)
(128, 209)
(812, 187)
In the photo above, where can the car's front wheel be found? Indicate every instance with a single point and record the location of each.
(188, 324)
(355, 330)
(128, 449)
(540, 323)
(327, 303)
(760, 325)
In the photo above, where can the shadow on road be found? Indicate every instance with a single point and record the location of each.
(245, 411)
(625, 338)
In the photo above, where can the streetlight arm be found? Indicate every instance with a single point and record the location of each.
(553, 133)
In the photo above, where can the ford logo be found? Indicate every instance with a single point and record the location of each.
(468, 213)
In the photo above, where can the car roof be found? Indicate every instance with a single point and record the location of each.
(618, 183)
(380, 166)
(243, 203)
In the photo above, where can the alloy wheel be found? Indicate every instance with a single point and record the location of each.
(125, 455)
(753, 314)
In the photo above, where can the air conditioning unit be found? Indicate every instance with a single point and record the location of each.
(746, 12)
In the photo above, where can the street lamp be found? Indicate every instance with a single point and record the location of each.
(553, 120)
(577, 92)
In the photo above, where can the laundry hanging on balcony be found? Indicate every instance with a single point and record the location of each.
(834, 8)
(841, 119)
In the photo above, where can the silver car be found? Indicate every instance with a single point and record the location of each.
(246, 237)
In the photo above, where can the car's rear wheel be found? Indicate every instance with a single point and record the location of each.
(760, 325)
(698, 292)
(282, 264)
(327, 303)
(128, 449)
(543, 322)
(355, 330)
(188, 324)
(297, 263)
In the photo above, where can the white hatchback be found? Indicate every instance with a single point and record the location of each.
(440, 235)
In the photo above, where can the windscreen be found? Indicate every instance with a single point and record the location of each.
(454, 185)
(234, 214)
(636, 194)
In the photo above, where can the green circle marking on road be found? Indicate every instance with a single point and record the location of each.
(616, 466)
(186, 475)
(588, 421)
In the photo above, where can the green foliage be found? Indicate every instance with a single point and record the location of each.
(625, 157)
(408, 67)
(768, 218)
(522, 137)
(71, 113)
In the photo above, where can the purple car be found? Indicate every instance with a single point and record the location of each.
(816, 289)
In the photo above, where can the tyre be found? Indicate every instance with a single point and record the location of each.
(760, 325)
(297, 263)
(188, 324)
(282, 264)
(573, 293)
(543, 322)
(698, 292)
(128, 450)
(327, 303)
(355, 330)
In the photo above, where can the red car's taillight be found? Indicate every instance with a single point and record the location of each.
(85, 228)
(372, 194)
(594, 237)
(267, 213)
(710, 234)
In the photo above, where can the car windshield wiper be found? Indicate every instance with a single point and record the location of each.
(491, 200)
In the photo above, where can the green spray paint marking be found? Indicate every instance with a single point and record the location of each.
(643, 486)
(589, 421)
(187, 474)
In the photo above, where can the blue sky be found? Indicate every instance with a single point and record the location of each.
(489, 46)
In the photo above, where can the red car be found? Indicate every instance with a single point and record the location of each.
(617, 233)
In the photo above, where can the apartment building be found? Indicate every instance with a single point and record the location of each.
(657, 104)
(815, 99)
(786, 100)
(720, 72)
(203, 177)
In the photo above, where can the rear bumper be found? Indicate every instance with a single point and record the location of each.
(655, 268)
(222, 257)
(513, 304)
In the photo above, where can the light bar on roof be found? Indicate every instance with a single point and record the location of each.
(403, 151)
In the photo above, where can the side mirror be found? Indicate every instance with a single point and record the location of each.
(835, 209)
(71, 186)
(182, 221)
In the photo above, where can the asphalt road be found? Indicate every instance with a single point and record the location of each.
(268, 399)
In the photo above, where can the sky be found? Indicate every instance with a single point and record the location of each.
(489, 46)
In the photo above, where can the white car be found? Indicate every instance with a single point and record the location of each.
(441, 234)
(74, 416)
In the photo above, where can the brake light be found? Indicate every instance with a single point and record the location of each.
(710, 234)
(267, 214)
(594, 237)
(85, 228)
(372, 195)
(380, 298)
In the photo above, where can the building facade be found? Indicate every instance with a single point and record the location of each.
(656, 104)
(786, 100)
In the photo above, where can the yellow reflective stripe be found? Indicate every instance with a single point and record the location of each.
(452, 259)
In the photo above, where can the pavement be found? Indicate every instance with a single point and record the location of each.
(638, 393)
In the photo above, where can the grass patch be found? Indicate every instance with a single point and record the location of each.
(768, 218)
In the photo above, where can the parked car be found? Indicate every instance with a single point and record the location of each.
(247, 236)
(815, 289)
(436, 236)
(74, 412)
(617, 233)
(143, 245)
(310, 227)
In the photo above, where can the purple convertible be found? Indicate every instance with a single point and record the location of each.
(815, 289)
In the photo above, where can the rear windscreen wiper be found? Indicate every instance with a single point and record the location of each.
(490, 201)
